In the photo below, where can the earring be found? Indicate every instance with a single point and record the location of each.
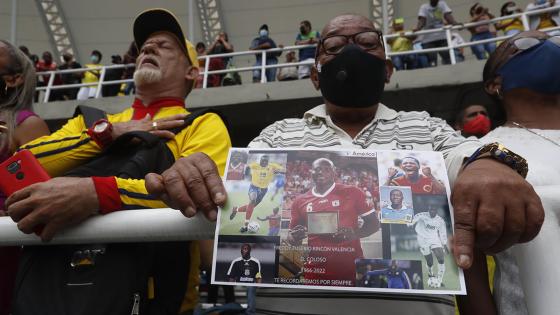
(498, 93)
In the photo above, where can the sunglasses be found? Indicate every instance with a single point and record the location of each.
(522, 44)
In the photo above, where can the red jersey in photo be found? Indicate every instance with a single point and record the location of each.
(236, 172)
(328, 258)
(424, 185)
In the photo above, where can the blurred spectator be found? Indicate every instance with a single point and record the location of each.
(433, 15)
(130, 58)
(231, 78)
(91, 76)
(399, 44)
(457, 39)
(422, 60)
(511, 26)
(70, 78)
(473, 120)
(201, 51)
(47, 64)
(221, 46)
(18, 125)
(214, 80)
(25, 50)
(263, 41)
(306, 36)
(35, 59)
(113, 75)
(544, 20)
(288, 73)
(485, 31)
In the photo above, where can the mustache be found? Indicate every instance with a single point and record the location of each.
(151, 60)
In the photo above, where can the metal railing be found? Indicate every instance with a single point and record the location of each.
(524, 16)
(449, 28)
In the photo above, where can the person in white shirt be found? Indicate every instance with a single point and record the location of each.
(431, 234)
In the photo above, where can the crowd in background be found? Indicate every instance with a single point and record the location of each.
(432, 15)
(437, 14)
(472, 120)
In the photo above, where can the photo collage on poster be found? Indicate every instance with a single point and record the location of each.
(334, 219)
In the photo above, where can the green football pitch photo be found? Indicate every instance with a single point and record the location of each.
(238, 198)
(450, 278)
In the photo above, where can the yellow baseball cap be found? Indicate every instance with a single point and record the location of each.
(162, 20)
(398, 20)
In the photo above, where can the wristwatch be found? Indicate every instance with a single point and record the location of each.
(101, 132)
(501, 154)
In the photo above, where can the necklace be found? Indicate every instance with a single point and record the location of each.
(536, 133)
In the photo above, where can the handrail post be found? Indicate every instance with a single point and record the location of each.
(206, 67)
(450, 45)
(263, 64)
(100, 83)
(525, 21)
(386, 48)
(49, 85)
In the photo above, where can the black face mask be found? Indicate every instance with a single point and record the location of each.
(302, 29)
(354, 78)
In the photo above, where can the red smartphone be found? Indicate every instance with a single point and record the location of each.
(19, 171)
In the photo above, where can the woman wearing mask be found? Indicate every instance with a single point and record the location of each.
(522, 77)
(511, 26)
(481, 32)
(18, 125)
(91, 76)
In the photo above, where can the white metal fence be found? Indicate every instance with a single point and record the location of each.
(524, 16)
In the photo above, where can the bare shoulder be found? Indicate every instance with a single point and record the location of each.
(31, 128)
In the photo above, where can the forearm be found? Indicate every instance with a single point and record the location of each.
(450, 19)
(420, 24)
(65, 149)
(479, 298)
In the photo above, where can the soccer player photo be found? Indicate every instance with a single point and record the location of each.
(338, 219)
(247, 200)
(237, 166)
(390, 274)
(426, 239)
(396, 205)
(416, 171)
(245, 263)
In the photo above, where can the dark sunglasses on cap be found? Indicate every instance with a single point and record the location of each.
(522, 44)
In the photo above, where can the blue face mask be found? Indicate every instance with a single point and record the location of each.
(263, 33)
(94, 59)
(536, 69)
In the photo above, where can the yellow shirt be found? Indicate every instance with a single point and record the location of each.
(90, 76)
(546, 22)
(516, 25)
(262, 176)
(71, 146)
(401, 43)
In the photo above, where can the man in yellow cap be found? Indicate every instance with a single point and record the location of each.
(400, 44)
(165, 73)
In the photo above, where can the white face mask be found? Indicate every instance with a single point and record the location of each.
(263, 33)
